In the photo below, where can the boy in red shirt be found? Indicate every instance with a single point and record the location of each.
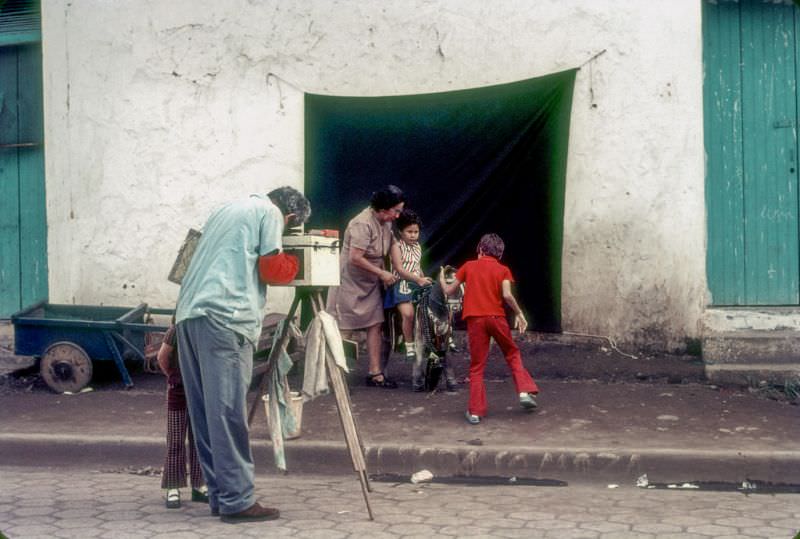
(487, 285)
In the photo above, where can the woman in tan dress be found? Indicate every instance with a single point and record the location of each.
(358, 302)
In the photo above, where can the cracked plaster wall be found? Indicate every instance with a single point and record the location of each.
(156, 112)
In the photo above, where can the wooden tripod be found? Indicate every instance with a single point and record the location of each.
(313, 298)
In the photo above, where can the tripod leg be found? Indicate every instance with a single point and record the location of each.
(346, 418)
(350, 432)
(279, 342)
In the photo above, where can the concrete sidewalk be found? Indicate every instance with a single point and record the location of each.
(609, 429)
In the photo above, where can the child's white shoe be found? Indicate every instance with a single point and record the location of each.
(173, 498)
(526, 401)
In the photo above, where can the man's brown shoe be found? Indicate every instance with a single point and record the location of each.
(254, 513)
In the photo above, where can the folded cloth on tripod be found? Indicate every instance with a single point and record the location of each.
(323, 338)
(278, 389)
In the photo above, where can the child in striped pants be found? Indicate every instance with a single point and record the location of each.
(179, 429)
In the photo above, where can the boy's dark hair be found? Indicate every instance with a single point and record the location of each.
(290, 200)
(388, 197)
(408, 218)
(492, 245)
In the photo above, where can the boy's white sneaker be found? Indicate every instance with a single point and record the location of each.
(472, 419)
(526, 401)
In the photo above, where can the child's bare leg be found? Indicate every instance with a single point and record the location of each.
(406, 311)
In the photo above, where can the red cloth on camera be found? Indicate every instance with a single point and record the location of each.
(279, 269)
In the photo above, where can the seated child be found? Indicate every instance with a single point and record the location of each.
(406, 254)
(487, 285)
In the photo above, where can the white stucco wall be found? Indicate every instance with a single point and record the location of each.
(158, 111)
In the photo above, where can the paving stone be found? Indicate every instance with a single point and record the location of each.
(188, 534)
(67, 523)
(30, 529)
(464, 531)
(604, 527)
(627, 535)
(712, 530)
(301, 515)
(311, 524)
(32, 511)
(412, 529)
(533, 515)
(656, 528)
(274, 530)
(78, 533)
(763, 531)
(522, 533)
(685, 521)
(336, 509)
(449, 520)
(556, 524)
(499, 523)
(326, 533)
(788, 523)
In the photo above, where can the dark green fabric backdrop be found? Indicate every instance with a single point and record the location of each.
(490, 159)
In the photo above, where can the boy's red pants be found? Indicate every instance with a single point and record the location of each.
(479, 330)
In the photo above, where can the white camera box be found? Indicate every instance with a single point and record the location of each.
(318, 257)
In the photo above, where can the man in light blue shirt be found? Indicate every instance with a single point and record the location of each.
(218, 316)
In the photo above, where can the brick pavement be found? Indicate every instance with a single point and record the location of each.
(39, 503)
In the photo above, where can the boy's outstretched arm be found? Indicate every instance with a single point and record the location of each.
(519, 319)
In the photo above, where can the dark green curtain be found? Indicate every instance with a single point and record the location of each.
(490, 159)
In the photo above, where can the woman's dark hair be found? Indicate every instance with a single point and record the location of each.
(492, 245)
(388, 197)
(290, 200)
(408, 218)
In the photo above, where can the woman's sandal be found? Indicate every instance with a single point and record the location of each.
(380, 380)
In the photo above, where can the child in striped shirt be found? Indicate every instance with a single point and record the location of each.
(406, 254)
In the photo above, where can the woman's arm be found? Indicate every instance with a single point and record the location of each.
(358, 259)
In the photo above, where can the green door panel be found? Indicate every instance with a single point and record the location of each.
(33, 217)
(723, 142)
(769, 118)
(10, 293)
(23, 220)
(750, 94)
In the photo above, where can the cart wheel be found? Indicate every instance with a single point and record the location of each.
(65, 367)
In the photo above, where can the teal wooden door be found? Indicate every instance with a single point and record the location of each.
(23, 221)
(751, 118)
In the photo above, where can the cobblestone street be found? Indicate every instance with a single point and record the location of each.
(40, 503)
